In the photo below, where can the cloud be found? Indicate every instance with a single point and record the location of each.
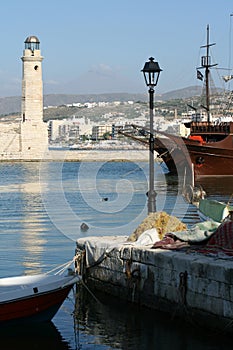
(102, 70)
(99, 78)
(51, 82)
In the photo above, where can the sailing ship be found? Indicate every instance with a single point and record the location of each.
(208, 150)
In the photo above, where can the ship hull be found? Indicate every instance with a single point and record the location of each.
(183, 154)
(35, 298)
(209, 161)
(39, 308)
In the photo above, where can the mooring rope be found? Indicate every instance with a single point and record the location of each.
(229, 200)
(92, 294)
(61, 268)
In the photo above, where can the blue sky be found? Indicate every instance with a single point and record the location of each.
(100, 46)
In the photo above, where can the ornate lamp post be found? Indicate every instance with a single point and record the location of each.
(151, 72)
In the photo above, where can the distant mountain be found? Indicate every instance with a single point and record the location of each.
(12, 105)
(182, 93)
(61, 99)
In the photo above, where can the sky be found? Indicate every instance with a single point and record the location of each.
(100, 46)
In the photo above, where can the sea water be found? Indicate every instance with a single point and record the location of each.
(42, 208)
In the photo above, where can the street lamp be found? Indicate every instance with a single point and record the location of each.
(151, 72)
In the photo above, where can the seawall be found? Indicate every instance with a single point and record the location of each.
(79, 156)
(192, 286)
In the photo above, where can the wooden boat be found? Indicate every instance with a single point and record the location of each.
(210, 209)
(206, 158)
(207, 208)
(35, 298)
(210, 143)
(207, 151)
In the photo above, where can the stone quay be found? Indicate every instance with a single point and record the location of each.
(187, 285)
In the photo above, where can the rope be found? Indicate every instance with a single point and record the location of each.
(61, 268)
(96, 299)
(166, 152)
(183, 287)
(99, 261)
(228, 203)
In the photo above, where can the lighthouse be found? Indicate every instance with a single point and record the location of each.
(33, 131)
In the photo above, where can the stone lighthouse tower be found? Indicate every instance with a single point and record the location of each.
(33, 131)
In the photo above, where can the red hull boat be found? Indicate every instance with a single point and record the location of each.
(204, 158)
(207, 151)
(34, 298)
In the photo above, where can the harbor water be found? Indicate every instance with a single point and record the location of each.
(43, 206)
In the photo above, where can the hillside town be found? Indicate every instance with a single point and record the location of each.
(97, 124)
(85, 132)
(94, 122)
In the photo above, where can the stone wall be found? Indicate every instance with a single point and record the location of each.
(9, 137)
(23, 141)
(192, 286)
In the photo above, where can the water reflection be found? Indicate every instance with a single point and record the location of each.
(125, 326)
(30, 241)
(216, 186)
(72, 195)
(28, 336)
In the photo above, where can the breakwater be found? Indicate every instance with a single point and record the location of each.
(192, 286)
(80, 155)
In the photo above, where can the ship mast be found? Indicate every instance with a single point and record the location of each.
(206, 64)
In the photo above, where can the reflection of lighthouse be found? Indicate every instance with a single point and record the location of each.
(33, 241)
(33, 131)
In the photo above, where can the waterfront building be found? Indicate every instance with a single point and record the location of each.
(98, 131)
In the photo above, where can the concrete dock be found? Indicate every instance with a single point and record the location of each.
(182, 282)
(108, 155)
